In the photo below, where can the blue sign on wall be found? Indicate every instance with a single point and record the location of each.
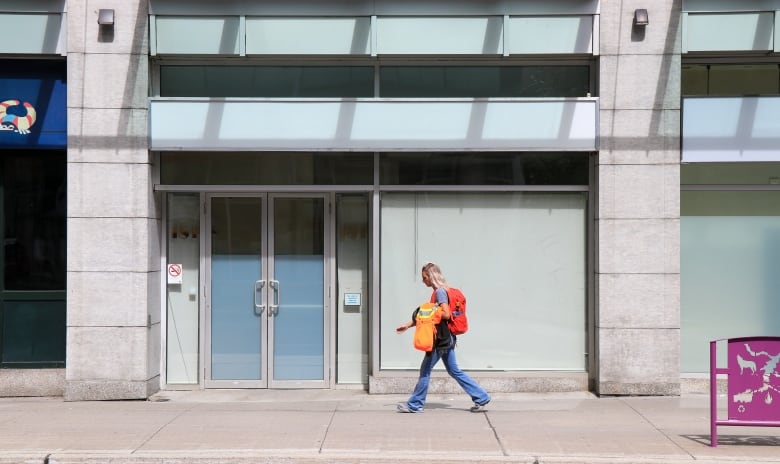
(33, 104)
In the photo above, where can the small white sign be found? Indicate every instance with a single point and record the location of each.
(352, 299)
(174, 273)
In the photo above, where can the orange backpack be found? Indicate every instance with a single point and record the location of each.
(428, 315)
(458, 322)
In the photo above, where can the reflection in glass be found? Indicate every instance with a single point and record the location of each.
(33, 332)
(34, 205)
(484, 81)
(267, 168)
(467, 168)
(266, 81)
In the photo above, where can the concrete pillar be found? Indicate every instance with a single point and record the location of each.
(638, 215)
(113, 322)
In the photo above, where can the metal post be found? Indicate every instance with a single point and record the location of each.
(713, 395)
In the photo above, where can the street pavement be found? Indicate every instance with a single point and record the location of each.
(349, 426)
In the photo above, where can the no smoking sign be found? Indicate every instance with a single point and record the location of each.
(174, 273)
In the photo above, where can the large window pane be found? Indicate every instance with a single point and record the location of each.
(694, 79)
(34, 204)
(353, 302)
(183, 328)
(730, 258)
(484, 81)
(744, 79)
(266, 81)
(730, 173)
(268, 168)
(730, 79)
(484, 169)
(33, 332)
(518, 257)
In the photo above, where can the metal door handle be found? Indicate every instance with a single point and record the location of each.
(274, 307)
(259, 308)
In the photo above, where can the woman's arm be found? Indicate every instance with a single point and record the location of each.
(402, 328)
(444, 303)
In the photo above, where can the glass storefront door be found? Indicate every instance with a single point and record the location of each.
(267, 303)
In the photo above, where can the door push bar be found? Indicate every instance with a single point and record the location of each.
(259, 308)
(274, 307)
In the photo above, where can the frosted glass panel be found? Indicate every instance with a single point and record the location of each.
(183, 232)
(299, 345)
(352, 235)
(298, 267)
(237, 344)
(30, 33)
(518, 257)
(197, 35)
(311, 36)
(729, 32)
(439, 36)
(729, 269)
(731, 129)
(563, 34)
(374, 125)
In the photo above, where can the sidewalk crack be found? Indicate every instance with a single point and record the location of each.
(327, 429)
(495, 434)
(159, 429)
(658, 429)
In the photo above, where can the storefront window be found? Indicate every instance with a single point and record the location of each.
(526, 303)
(729, 260)
(32, 300)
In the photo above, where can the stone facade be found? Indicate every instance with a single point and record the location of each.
(113, 319)
(638, 213)
(114, 220)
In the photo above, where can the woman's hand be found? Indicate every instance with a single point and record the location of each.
(402, 328)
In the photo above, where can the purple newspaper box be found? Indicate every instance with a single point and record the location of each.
(753, 383)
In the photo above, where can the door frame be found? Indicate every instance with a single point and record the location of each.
(267, 382)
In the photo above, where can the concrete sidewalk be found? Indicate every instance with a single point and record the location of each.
(344, 426)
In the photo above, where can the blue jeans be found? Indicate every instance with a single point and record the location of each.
(417, 400)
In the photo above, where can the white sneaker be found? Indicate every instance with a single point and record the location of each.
(479, 407)
(403, 407)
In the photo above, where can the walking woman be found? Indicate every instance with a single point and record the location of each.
(432, 277)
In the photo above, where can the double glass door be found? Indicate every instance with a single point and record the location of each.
(267, 299)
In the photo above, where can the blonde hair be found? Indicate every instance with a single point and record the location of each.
(434, 273)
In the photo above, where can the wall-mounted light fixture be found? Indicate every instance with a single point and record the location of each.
(640, 17)
(106, 18)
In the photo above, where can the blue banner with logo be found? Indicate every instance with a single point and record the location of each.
(33, 104)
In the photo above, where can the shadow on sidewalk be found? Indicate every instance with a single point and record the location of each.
(736, 440)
